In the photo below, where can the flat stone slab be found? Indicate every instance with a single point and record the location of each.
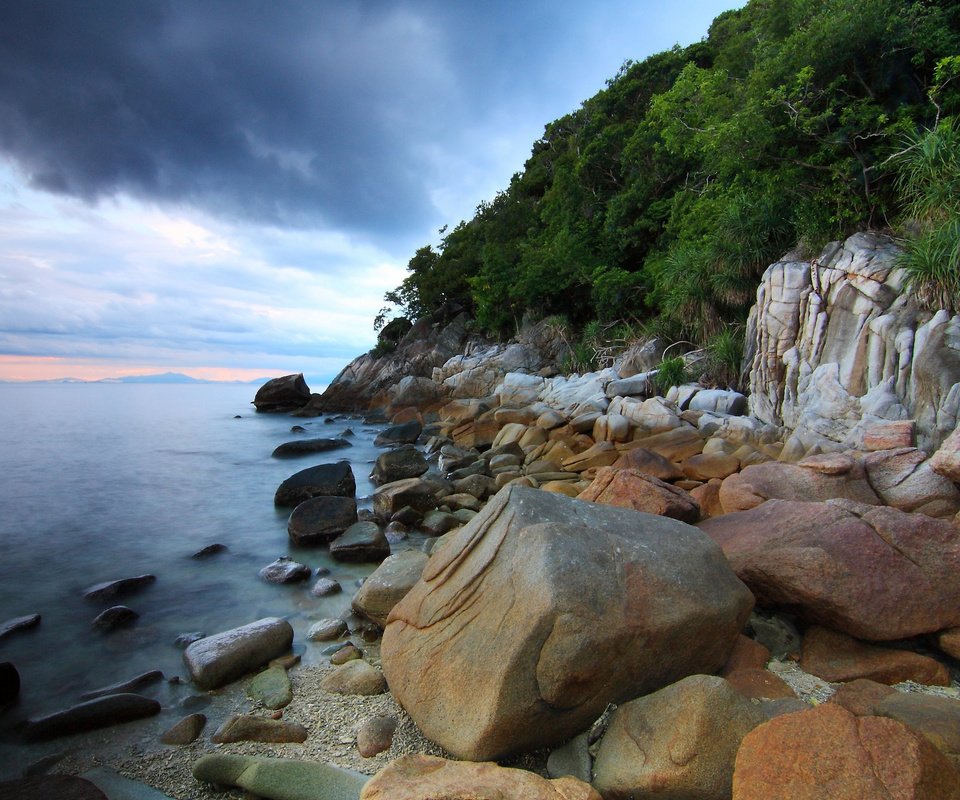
(219, 659)
(88, 716)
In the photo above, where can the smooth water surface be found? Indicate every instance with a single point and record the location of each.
(106, 481)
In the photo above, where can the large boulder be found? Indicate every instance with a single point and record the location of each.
(631, 488)
(904, 478)
(678, 742)
(404, 433)
(282, 394)
(875, 573)
(543, 609)
(216, 660)
(362, 541)
(328, 480)
(813, 479)
(827, 753)
(424, 777)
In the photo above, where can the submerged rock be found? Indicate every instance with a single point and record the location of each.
(143, 679)
(16, 624)
(115, 617)
(92, 714)
(110, 589)
(303, 447)
(286, 570)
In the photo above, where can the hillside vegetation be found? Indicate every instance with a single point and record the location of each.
(656, 205)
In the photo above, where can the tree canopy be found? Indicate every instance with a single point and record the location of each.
(662, 198)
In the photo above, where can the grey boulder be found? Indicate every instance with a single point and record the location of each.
(216, 660)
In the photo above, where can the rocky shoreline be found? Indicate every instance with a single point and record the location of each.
(621, 593)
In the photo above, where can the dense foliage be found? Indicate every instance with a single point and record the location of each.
(662, 198)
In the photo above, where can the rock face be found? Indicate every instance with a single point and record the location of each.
(423, 777)
(873, 573)
(223, 657)
(282, 394)
(835, 346)
(328, 480)
(678, 742)
(586, 604)
(827, 753)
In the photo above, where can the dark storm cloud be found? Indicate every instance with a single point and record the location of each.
(295, 113)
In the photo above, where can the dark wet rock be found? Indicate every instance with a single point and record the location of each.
(111, 589)
(279, 777)
(9, 684)
(395, 532)
(131, 685)
(23, 623)
(407, 516)
(328, 480)
(376, 735)
(185, 731)
(210, 550)
(395, 465)
(347, 432)
(223, 657)
(405, 433)
(195, 701)
(361, 542)
(282, 394)
(320, 519)
(186, 639)
(286, 570)
(303, 447)
(248, 728)
(92, 714)
(271, 688)
(115, 617)
(298, 429)
(437, 523)
(325, 587)
(45, 787)
(326, 630)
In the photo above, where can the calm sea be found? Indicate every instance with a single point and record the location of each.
(101, 482)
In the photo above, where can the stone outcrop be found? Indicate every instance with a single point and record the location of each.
(587, 605)
(835, 346)
(875, 573)
(365, 381)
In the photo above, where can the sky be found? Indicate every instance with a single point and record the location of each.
(227, 188)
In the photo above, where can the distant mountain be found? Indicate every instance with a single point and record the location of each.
(160, 378)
